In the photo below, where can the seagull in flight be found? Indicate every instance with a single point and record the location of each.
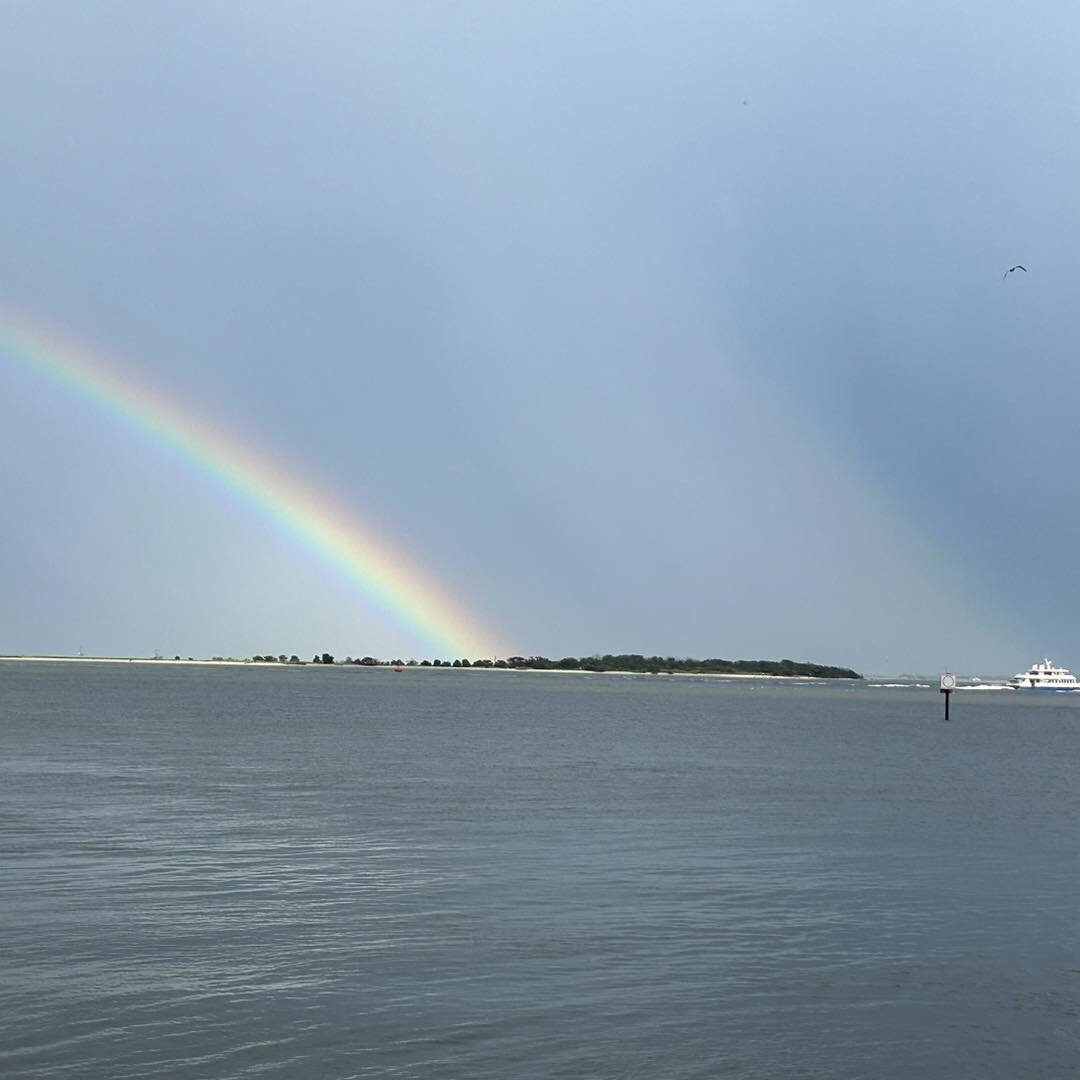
(1011, 269)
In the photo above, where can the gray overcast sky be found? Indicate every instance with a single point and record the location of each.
(653, 327)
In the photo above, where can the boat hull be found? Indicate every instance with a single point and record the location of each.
(1047, 689)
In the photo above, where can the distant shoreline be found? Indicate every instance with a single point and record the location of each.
(137, 660)
(161, 661)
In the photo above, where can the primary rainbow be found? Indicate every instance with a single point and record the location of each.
(324, 528)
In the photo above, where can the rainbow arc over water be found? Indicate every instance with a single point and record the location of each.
(385, 577)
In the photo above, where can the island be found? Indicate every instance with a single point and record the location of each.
(612, 663)
(634, 663)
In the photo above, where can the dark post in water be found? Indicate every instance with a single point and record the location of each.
(948, 685)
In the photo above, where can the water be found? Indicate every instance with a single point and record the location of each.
(227, 872)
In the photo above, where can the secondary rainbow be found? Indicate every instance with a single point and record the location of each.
(323, 527)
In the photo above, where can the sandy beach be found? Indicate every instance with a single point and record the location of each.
(137, 660)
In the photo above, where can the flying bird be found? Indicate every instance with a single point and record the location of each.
(1011, 269)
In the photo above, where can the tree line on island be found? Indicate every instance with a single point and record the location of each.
(633, 662)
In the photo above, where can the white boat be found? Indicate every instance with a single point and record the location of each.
(1045, 676)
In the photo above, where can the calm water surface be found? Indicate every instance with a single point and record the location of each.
(228, 872)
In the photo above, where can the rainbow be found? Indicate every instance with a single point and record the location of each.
(326, 529)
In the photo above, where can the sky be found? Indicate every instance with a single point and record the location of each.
(670, 328)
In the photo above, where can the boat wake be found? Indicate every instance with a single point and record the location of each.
(899, 685)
